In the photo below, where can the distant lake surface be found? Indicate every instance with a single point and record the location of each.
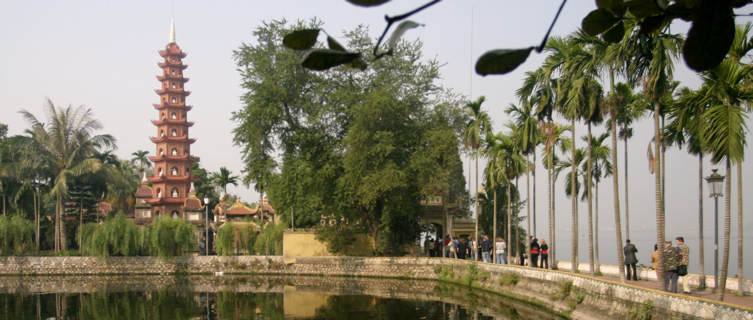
(249, 297)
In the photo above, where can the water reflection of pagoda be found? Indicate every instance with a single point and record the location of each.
(170, 192)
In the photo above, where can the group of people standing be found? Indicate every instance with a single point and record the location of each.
(675, 264)
(486, 250)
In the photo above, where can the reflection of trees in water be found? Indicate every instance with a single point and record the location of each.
(231, 305)
(368, 307)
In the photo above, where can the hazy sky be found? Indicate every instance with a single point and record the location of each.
(103, 54)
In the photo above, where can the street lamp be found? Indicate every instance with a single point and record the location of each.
(206, 226)
(715, 181)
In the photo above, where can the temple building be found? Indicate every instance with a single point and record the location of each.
(171, 182)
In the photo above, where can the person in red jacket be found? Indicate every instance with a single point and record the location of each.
(535, 253)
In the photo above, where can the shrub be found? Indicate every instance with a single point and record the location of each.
(269, 240)
(337, 237)
(16, 235)
(233, 238)
(117, 236)
(171, 237)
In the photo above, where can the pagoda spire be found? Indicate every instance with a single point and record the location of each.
(172, 31)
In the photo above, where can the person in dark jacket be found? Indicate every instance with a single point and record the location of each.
(462, 248)
(544, 255)
(630, 259)
(535, 248)
(486, 249)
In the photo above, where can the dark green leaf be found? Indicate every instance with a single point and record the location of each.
(358, 64)
(614, 34)
(739, 3)
(653, 24)
(598, 21)
(501, 61)
(689, 3)
(301, 39)
(680, 11)
(323, 59)
(616, 7)
(662, 4)
(368, 3)
(643, 8)
(710, 36)
(334, 45)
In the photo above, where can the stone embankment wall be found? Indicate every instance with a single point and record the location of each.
(579, 296)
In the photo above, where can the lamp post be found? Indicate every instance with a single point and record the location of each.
(206, 226)
(715, 181)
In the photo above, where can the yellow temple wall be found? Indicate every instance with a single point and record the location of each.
(303, 243)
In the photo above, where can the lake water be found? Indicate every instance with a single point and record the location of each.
(250, 297)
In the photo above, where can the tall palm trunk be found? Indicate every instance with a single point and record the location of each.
(616, 194)
(663, 171)
(494, 228)
(659, 197)
(36, 221)
(554, 221)
(477, 207)
(533, 173)
(58, 207)
(509, 221)
(528, 205)
(727, 218)
(550, 211)
(574, 203)
(590, 204)
(627, 192)
(596, 230)
(702, 271)
(702, 282)
(740, 277)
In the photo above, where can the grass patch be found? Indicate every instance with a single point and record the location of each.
(508, 279)
(644, 311)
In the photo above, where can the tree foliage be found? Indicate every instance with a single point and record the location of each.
(363, 146)
(115, 237)
(234, 238)
(16, 235)
(169, 237)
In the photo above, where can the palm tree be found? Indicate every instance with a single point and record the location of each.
(726, 88)
(687, 126)
(66, 145)
(629, 107)
(476, 129)
(654, 63)
(140, 157)
(495, 151)
(512, 166)
(527, 133)
(601, 168)
(567, 57)
(553, 138)
(223, 178)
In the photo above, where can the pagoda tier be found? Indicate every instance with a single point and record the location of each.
(172, 165)
(171, 77)
(161, 106)
(166, 53)
(172, 64)
(173, 91)
(164, 178)
(172, 121)
(173, 139)
(182, 158)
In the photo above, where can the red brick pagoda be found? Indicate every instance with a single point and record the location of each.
(172, 163)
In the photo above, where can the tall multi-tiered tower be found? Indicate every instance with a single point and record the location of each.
(172, 163)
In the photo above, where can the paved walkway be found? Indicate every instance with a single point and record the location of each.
(730, 297)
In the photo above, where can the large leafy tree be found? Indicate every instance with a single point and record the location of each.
(353, 146)
(66, 145)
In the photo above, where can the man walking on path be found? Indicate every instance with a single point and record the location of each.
(684, 261)
(630, 260)
(486, 248)
(671, 263)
